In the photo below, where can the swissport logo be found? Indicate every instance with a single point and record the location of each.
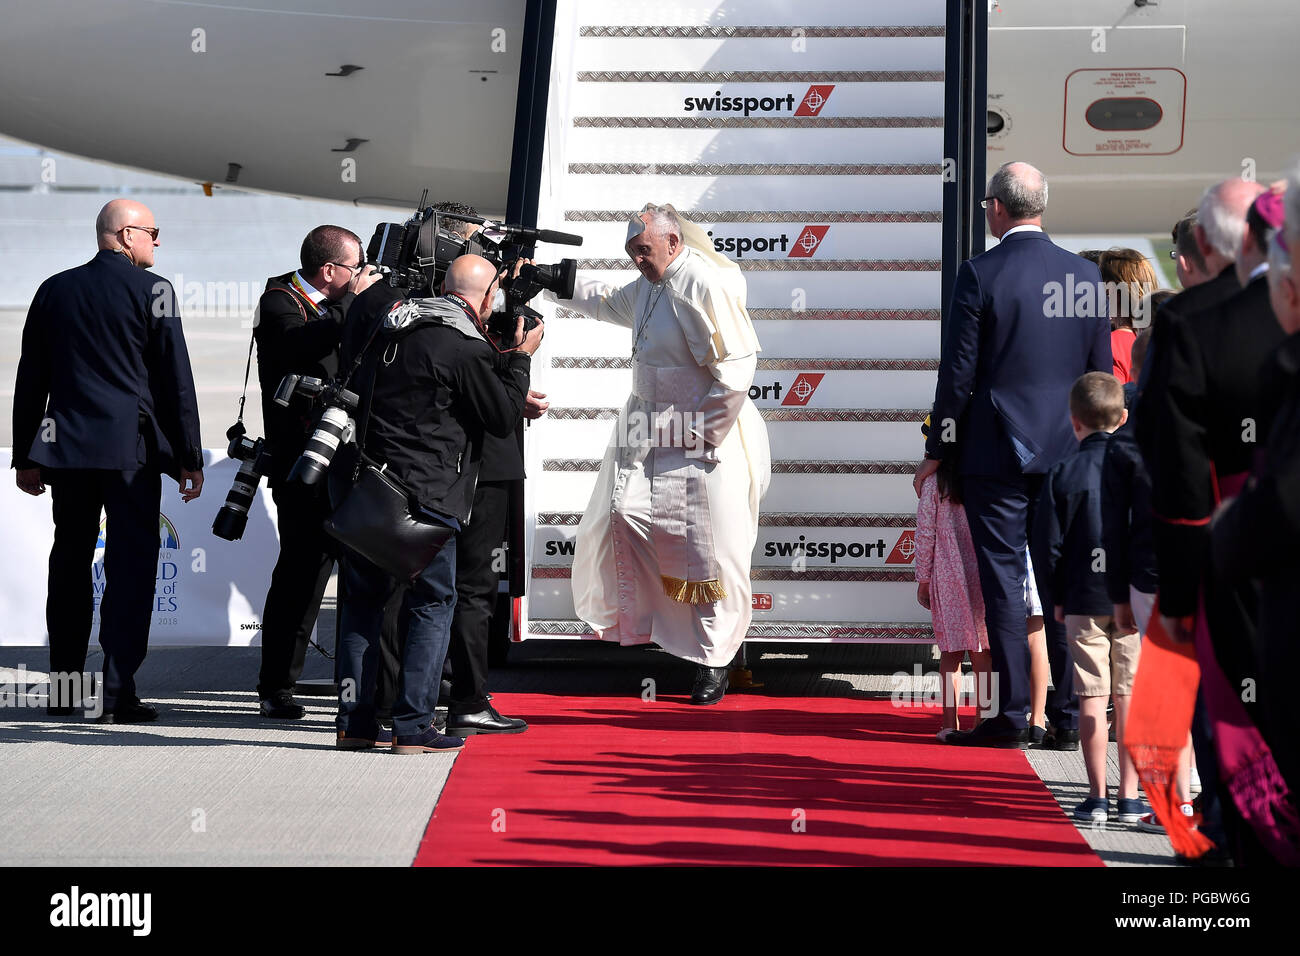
(805, 245)
(809, 241)
(810, 105)
(802, 390)
(904, 550)
(814, 100)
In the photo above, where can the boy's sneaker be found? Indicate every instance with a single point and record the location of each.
(430, 741)
(1149, 823)
(1093, 810)
(1130, 810)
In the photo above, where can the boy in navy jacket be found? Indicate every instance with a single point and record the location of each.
(1070, 562)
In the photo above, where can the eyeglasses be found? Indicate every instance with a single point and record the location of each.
(356, 268)
(152, 230)
(984, 203)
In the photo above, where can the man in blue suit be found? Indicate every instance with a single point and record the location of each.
(104, 404)
(1027, 318)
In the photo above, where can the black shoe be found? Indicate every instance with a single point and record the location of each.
(136, 712)
(1037, 735)
(485, 721)
(1062, 740)
(991, 733)
(282, 707)
(710, 685)
(426, 743)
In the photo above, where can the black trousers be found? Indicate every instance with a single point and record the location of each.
(298, 583)
(480, 553)
(130, 501)
(479, 547)
(388, 676)
(1001, 512)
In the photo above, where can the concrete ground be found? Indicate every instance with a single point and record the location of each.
(213, 783)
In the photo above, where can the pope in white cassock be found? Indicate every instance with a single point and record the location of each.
(663, 551)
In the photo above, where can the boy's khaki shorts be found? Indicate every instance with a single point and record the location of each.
(1105, 661)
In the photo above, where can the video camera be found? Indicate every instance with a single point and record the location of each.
(415, 255)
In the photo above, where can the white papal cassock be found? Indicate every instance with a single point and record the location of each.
(663, 551)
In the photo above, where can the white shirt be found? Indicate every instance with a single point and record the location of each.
(317, 297)
(1023, 227)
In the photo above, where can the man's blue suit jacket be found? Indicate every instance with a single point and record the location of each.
(1027, 318)
(104, 359)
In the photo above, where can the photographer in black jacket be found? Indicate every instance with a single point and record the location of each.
(431, 386)
(478, 568)
(300, 316)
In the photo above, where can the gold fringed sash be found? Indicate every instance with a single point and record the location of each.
(694, 592)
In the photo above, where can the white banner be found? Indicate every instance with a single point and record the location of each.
(208, 591)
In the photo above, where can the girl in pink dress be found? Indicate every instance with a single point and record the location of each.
(949, 586)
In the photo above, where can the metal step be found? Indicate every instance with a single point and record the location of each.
(837, 631)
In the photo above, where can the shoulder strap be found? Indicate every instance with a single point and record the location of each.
(252, 337)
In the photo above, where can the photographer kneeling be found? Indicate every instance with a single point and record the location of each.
(435, 385)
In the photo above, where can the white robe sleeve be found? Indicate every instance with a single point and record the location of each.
(733, 373)
(599, 300)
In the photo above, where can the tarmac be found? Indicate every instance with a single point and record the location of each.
(212, 783)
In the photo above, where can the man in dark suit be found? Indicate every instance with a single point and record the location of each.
(300, 319)
(1256, 538)
(1211, 416)
(104, 404)
(1220, 223)
(1027, 318)
(1208, 420)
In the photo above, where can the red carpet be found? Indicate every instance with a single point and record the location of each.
(753, 780)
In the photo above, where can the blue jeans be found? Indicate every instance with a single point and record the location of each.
(425, 626)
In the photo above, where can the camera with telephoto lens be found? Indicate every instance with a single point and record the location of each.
(415, 255)
(334, 424)
(255, 456)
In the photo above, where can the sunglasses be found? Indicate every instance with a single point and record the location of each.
(152, 230)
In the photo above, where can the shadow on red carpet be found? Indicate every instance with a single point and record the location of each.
(754, 780)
